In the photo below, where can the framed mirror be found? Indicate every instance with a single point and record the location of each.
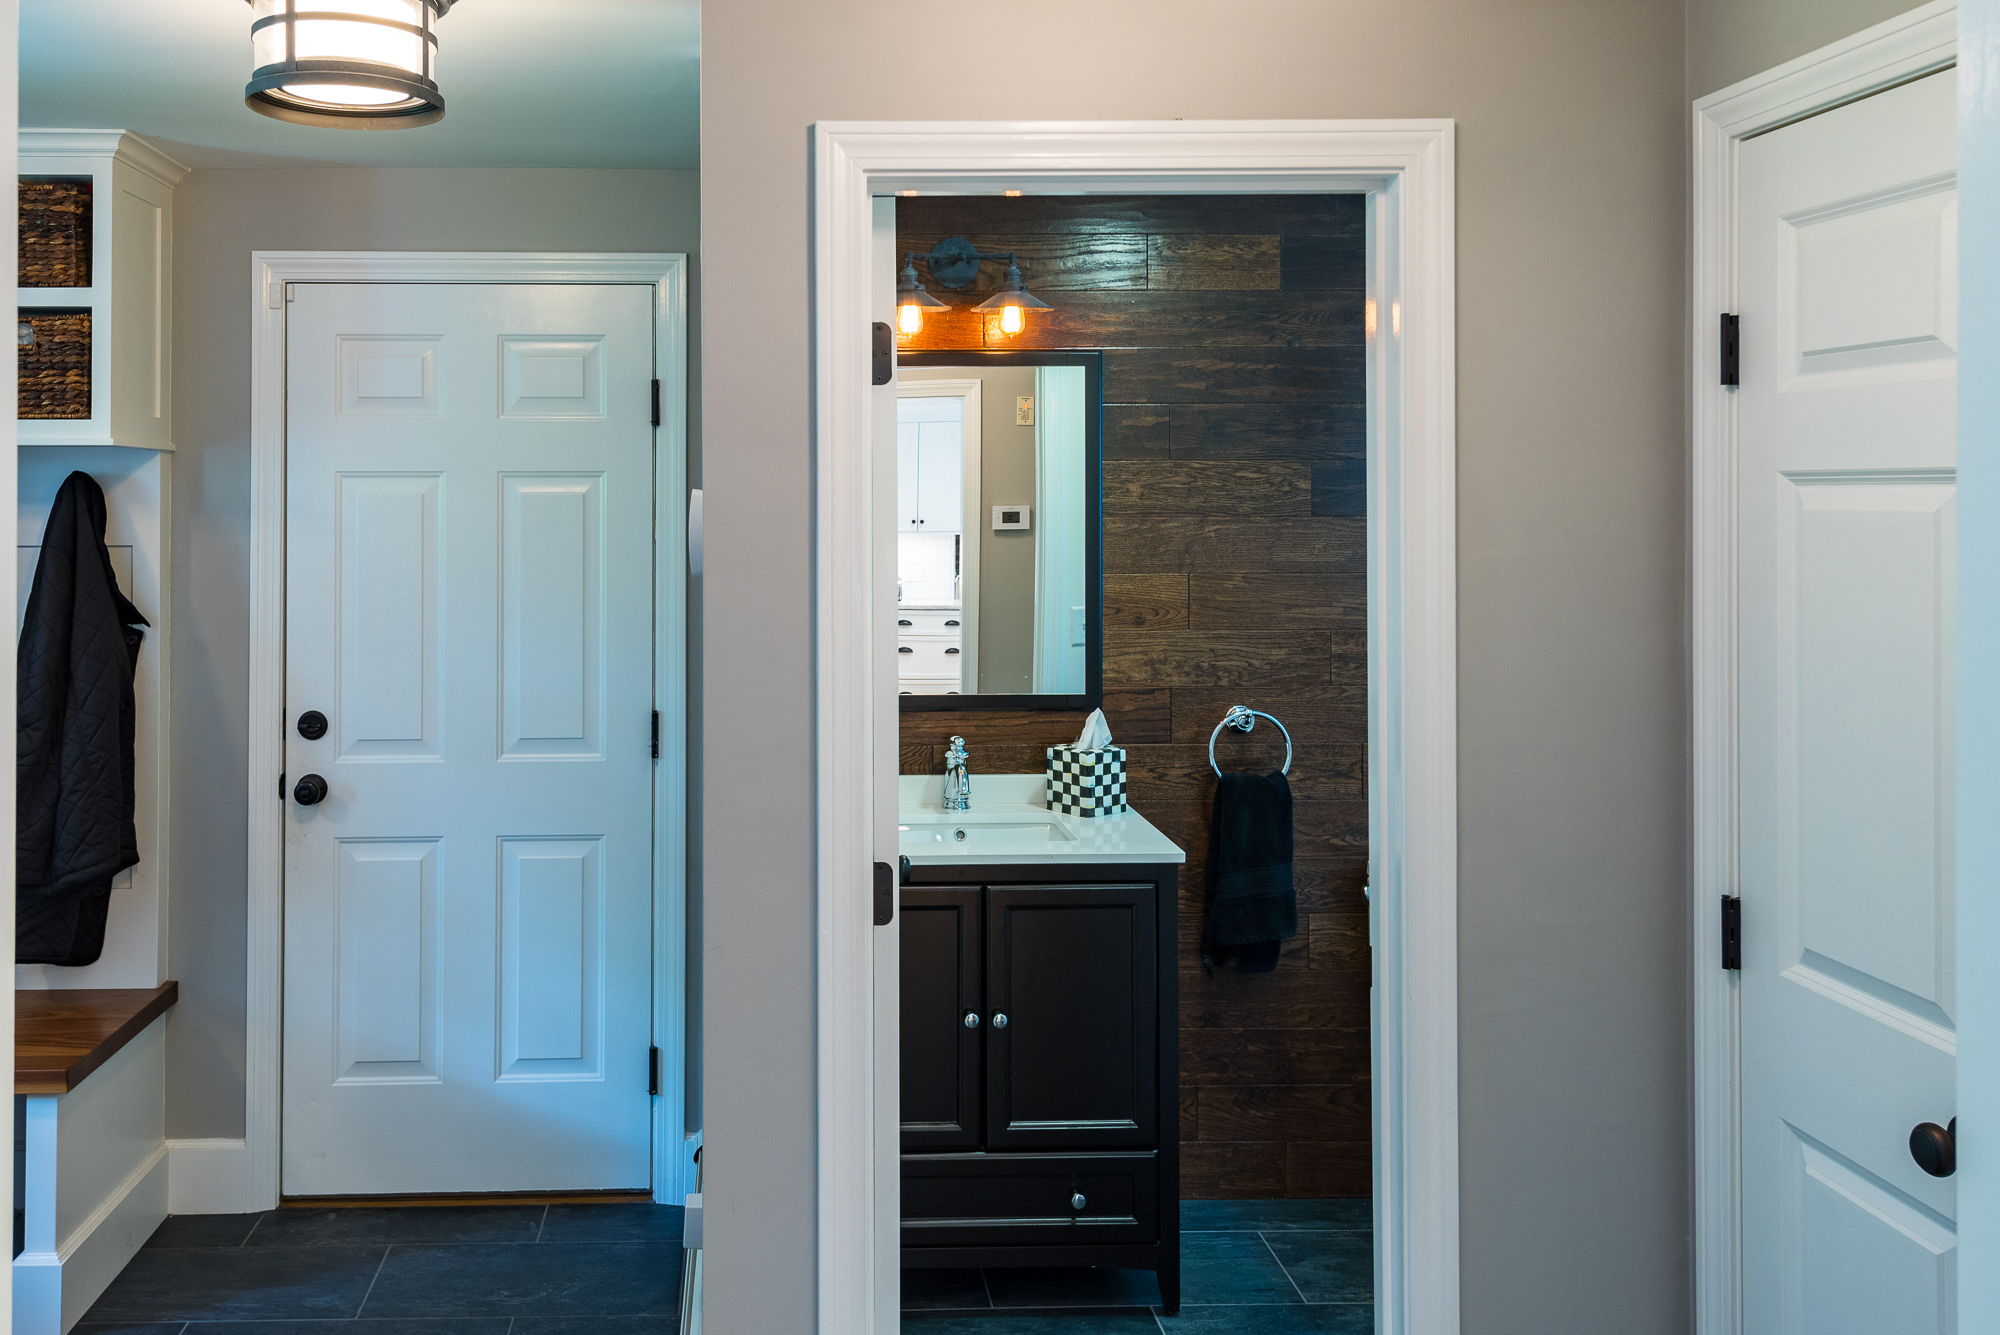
(999, 530)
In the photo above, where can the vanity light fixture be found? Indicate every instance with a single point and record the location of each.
(911, 299)
(346, 64)
(954, 263)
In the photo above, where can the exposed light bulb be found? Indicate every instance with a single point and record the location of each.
(1010, 320)
(909, 318)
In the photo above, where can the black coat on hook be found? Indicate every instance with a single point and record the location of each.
(77, 719)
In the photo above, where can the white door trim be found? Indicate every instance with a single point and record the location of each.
(258, 1177)
(1406, 169)
(1912, 44)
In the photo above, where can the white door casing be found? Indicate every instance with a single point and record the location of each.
(1847, 450)
(1405, 168)
(468, 912)
(1908, 46)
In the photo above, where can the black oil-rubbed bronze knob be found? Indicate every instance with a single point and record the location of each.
(1935, 1148)
(312, 725)
(309, 791)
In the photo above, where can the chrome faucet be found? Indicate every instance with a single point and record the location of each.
(957, 783)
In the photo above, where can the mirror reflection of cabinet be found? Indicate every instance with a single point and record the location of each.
(930, 443)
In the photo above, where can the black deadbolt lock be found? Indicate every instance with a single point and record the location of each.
(309, 791)
(312, 725)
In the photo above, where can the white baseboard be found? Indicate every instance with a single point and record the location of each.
(210, 1177)
(52, 1290)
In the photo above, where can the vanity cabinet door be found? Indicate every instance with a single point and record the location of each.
(940, 1052)
(1074, 1063)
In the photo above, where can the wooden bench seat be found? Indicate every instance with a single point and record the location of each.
(90, 1086)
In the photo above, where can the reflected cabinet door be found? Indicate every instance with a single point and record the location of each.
(1072, 1064)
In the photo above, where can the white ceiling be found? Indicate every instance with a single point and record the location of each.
(527, 83)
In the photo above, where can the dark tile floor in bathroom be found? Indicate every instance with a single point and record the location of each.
(1247, 1268)
(449, 1270)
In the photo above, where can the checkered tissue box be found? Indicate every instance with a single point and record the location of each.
(1087, 783)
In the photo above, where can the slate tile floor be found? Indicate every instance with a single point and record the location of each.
(452, 1270)
(1247, 1268)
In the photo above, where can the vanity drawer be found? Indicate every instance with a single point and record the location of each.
(928, 656)
(990, 1200)
(930, 623)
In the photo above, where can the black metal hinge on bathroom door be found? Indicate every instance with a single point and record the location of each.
(656, 734)
(885, 894)
(1732, 350)
(656, 403)
(882, 362)
(1732, 932)
(653, 1071)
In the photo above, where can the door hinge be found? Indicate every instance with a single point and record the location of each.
(885, 894)
(653, 1072)
(1732, 350)
(656, 734)
(884, 359)
(1732, 932)
(656, 403)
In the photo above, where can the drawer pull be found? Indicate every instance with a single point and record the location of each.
(906, 649)
(951, 623)
(972, 1019)
(951, 651)
(901, 622)
(999, 1020)
(1076, 1200)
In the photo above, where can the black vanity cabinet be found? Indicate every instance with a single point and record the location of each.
(1038, 1068)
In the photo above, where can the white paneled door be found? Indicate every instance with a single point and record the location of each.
(1847, 274)
(469, 666)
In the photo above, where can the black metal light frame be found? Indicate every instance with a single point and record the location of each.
(954, 264)
(424, 104)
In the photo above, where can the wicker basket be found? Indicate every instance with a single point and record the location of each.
(55, 234)
(55, 371)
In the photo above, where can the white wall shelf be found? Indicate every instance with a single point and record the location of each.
(130, 298)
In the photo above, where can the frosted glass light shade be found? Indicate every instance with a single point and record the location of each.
(355, 64)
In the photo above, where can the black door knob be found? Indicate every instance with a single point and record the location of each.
(312, 725)
(309, 791)
(1935, 1148)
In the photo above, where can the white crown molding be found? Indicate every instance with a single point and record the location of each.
(1906, 47)
(129, 148)
(1406, 169)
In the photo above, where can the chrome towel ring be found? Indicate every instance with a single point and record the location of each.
(1243, 719)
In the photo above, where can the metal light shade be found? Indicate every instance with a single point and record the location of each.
(346, 64)
(1013, 293)
(910, 291)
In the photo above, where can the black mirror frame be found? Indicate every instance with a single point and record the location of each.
(1093, 454)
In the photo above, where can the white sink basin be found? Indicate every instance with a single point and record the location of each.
(952, 831)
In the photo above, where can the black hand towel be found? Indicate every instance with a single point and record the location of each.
(1251, 903)
(75, 729)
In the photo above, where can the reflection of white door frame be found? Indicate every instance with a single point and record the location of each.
(1405, 170)
(969, 528)
(1912, 44)
(222, 1177)
(1059, 530)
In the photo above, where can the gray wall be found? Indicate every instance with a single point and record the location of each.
(220, 217)
(1730, 40)
(1573, 925)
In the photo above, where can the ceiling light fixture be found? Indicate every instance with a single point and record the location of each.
(954, 263)
(346, 64)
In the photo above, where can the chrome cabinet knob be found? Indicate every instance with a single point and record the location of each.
(972, 1019)
(1076, 1200)
(999, 1021)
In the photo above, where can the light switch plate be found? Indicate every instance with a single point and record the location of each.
(1012, 517)
(1024, 410)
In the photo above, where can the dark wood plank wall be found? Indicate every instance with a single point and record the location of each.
(1234, 574)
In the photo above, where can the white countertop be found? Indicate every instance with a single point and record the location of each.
(1010, 824)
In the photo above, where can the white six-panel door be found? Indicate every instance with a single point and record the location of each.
(1846, 439)
(469, 603)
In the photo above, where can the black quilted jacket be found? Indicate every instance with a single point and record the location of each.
(79, 649)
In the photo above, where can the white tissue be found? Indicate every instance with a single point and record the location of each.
(1096, 734)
